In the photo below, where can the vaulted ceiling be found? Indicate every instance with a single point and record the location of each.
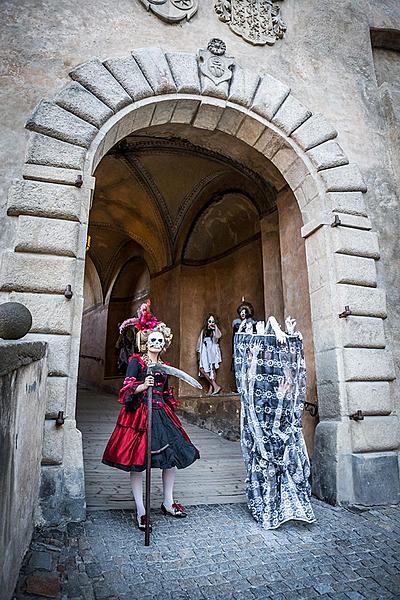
(151, 190)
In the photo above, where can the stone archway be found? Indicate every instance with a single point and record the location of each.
(71, 133)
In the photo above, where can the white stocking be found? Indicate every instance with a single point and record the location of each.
(168, 477)
(137, 491)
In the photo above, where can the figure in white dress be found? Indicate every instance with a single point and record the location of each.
(209, 353)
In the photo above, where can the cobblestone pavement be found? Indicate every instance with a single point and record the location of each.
(217, 552)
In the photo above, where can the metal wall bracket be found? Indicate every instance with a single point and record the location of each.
(78, 181)
(357, 416)
(68, 293)
(312, 408)
(345, 313)
(60, 419)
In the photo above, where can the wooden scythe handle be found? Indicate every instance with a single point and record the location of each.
(148, 460)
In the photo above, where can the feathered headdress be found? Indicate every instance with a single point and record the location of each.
(144, 321)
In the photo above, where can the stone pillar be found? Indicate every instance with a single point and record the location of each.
(356, 461)
(272, 272)
(52, 219)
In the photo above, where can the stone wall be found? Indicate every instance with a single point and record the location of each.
(23, 371)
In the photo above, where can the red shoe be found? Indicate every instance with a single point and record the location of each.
(178, 511)
(142, 523)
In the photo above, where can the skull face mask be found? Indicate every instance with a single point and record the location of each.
(156, 341)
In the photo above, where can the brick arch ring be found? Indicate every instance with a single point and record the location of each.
(109, 100)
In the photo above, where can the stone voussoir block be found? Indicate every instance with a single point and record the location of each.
(243, 86)
(51, 313)
(351, 203)
(368, 364)
(362, 332)
(208, 114)
(327, 155)
(362, 301)
(56, 395)
(18, 269)
(94, 76)
(155, 68)
(357, 242)
(346, 178)
(185, 110)
(53, 444)
(48, 151)
(230, 120)
(163, 112)
(372, 397)
(355, 270)
(316, 130)
(270, 143)
(375, 434)
(47, 236)
(129, 75)
(47, 200)
(295, 174)
(82, 103)
(185, 72)
(59, 347)
(250, 130)
(269, 96)
(50, 119)
(290, 115)
(284, 158)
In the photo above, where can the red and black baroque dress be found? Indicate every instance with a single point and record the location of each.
(170, 444)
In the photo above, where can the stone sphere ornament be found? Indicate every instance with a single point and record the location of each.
(15, 320)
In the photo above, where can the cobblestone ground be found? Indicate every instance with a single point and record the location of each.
(217, 552)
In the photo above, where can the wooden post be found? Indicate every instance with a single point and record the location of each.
(148, 461)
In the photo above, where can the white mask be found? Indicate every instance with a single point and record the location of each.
(211, 321)
(155, 341)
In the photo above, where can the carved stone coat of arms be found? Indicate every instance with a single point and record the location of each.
(257, 21)
(172, 11)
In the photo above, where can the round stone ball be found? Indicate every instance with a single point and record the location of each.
(15, 320)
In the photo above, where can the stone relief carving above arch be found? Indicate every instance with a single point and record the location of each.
(258, 22)
(172, 11)
(213, 63)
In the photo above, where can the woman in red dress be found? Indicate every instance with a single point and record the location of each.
(171, 447)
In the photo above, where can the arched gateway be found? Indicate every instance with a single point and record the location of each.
(110, 100)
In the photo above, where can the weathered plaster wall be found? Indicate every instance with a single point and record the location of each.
(23, 374)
